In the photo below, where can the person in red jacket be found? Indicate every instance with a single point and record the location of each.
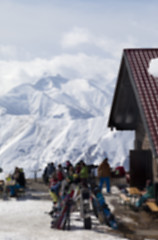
(60, 173)
(120, 171)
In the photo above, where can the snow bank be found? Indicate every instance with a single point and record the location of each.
(27, 220)
(153, 67)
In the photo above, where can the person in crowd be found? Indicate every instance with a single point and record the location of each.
(84, 170)
(67, 181)
(20, 181)
(104, 173)
(1, 180)
(83, 174)
(48, 171)
(148, 193)
(119, 171)
(70, 174)
(54, 186)
(60, 173)
(68, 165)
(78, 168)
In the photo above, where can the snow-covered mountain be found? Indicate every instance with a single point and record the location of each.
(58, 119)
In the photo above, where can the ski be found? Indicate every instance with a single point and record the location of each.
(62, 218)
(85, 207)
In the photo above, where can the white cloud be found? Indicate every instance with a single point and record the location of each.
(113, 46)
(13, 73)
(82, 39)
(75, 37)
(80, 64)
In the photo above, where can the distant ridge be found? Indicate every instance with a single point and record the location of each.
(57, 119)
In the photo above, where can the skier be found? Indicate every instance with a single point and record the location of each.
(104, 173)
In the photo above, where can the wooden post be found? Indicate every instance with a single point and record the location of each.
(35, 174)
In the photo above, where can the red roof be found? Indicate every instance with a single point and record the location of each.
(145, 86)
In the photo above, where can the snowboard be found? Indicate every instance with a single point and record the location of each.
(102, 211)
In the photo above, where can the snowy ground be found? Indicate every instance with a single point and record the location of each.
(28, 220)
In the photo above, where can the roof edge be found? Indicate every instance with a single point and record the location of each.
(142, 114)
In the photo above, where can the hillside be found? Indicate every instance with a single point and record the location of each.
(56, 119)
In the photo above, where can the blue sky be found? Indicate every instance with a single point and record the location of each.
(64, 30)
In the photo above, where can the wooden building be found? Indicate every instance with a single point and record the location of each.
(135, 107)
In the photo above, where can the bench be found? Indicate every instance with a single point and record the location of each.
(133, 191)
(134, 194)
(124, 199)
(152, 206)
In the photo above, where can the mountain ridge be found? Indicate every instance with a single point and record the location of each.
(58, 119)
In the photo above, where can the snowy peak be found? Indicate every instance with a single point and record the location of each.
(16, 101)
(49, 82)
(57, 119)
(54, 97)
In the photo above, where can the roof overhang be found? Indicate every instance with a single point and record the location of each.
(124, 113)
(135, 97)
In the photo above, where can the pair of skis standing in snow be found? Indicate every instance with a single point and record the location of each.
(85, 193)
